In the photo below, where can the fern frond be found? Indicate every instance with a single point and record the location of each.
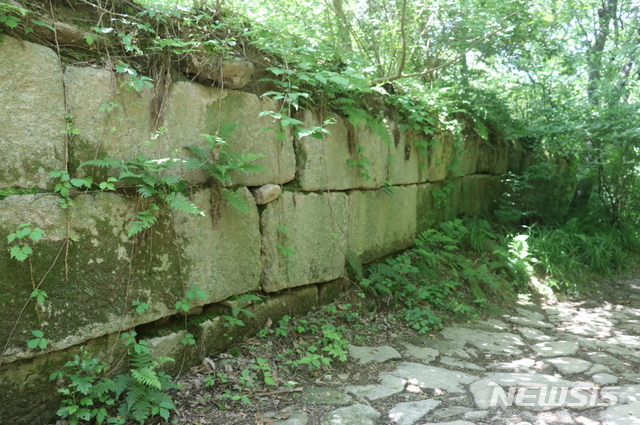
(198, 152)
(235, 200)
(146, 376)
(146, 219)
(104, 163)
(177, 201)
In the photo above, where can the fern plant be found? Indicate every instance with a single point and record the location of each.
(148, 176)
(220, 163)
(139, 394)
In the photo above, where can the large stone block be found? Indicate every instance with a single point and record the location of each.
(91, 286)
(303, 239)
(407, 163)
(466, 156)
(221, 259)
(29, 397)
(493, 157)
(213, 336)
(124, 130)
(441, 155)
(193, 110)
(479, 194)
(325, 164)
(32, 114)
(381, 223)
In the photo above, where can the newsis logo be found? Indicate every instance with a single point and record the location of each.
(545, 396)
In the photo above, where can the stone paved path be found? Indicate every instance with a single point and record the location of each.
(562, 363)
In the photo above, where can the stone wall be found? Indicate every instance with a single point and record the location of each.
(92, 272)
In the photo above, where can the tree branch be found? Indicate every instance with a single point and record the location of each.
(400, 75)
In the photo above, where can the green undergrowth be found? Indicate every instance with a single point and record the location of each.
(574, 257)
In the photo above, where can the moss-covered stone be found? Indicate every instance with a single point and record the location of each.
(91, 286)
(325, 163)
(381, 223)
(303, 239)
(32, 114)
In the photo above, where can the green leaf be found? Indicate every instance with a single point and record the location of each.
(43, 24)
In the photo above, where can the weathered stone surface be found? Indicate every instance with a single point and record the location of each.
(466, 158)
(31, 115)
(493, 157)
(230, 73)
(120, 133)
(441, 153)
(323, 395)
(366, 355)
(604, 379)
(556, 348)
(451, 423)
(450, 361)
(29, 397)
(407, 164)
(449, 412)
(478, 194)
(211, 339)
(288, 226)
(211, 252)
(534, 334)
(492, 342)
(191, 110)
(389, 385)
(267, 193)
(323, 164)
(410, 412)
(569, 365)
(423, 353)
(329, 291)
(610, 361)
(622, 414)
(99, 268)
(433, 377)
(380, 224)
(446, 348)
(293, 417)
(358, 414)
(483, 390)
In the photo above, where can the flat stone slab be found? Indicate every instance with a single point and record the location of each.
(358, 414)
(423, 353)
(569, 365)
(609, 360)
(487, 392)
(450, 361)
(366, 355)
(449, 412)
(556, 348)
(628, 414)
(433, 377)
(604, 379)
(534, 334)
(287, 416)
(525, 321)
(389, 385)
(323, 395)
(447, 348)
(598, 368)
(410, 412)
(626, 394)
(492, 342)
(519, 365)
(529, 314)
(451, 423)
